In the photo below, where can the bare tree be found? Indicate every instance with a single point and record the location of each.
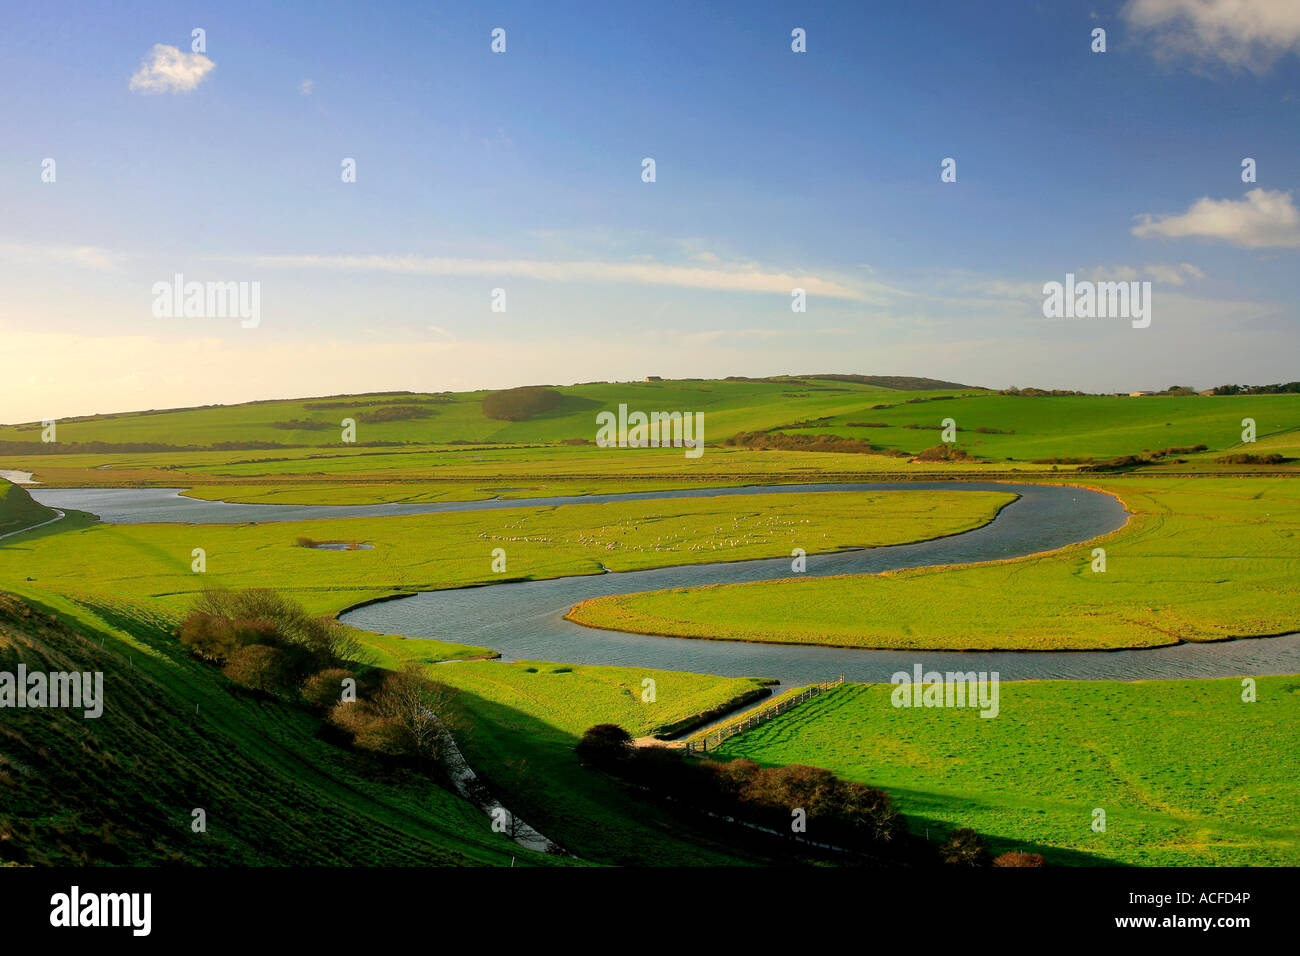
(421, 707)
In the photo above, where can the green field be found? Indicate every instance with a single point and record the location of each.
(1197, 562)
(448, 449)
(1026, 428)
(151, 563)
(1203, 558)
(729, 407)
(1187, 774)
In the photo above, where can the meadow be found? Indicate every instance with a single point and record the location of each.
(448, 449)
(1187, 773)
(1202, 559)
(152, 563)
(1198, 561)
(1026, 428)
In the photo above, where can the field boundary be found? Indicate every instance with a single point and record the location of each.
(714, 738)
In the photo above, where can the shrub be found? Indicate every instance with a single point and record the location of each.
(217, 638)
(260, 667)
(943, 453)
(763, 441)
(1016, 858)
(314, 643)
(351, 718)
(1242, 458)
(325, 688)
(604, 745)
(518, 404)
(384, 735)
(965, 847)
(394, 413)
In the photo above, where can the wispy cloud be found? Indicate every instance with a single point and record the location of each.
(1167, 274)
(731, 279)
(305, 87)
(1264, 218)
(165, 69)
(88, 257)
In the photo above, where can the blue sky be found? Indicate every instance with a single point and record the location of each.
(522, 170)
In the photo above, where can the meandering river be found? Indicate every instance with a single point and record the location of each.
(525, 620)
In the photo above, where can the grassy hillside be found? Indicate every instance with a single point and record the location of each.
(729, 406)
(18, 510)
(1186, 772)
(1026, 428)
(1201, 560)
(121, 788)
(443, 446)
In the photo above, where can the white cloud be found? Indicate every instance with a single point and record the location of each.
(732, 279)
(305, 87)
(1240, 33)
(165, 69)
(1262, 219)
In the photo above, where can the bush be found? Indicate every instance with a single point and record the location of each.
(325, 688)
(943, 453)
(260, 667)
(518, 404)
(222, 621)
(384, 735)
(1016, 858)
(217, 638)
(604, 745)
(1241, 458)
(965, 847)
(351, 718)
(779, 441)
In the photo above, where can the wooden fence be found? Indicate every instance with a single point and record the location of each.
(714, 738)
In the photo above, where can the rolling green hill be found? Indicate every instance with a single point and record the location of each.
(730, 406)
(399, 436)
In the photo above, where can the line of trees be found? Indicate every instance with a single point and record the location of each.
(840, 813)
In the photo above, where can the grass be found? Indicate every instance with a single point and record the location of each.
(151, 563)
(729, 406)
(1187, 774)
(457, 453)
(18, 510)
(1027, 428)
(120, 789)
(525, 719)
(1199, 561)
(574, 697)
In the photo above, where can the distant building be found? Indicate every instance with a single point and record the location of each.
(1139, 394)
(654, 378)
